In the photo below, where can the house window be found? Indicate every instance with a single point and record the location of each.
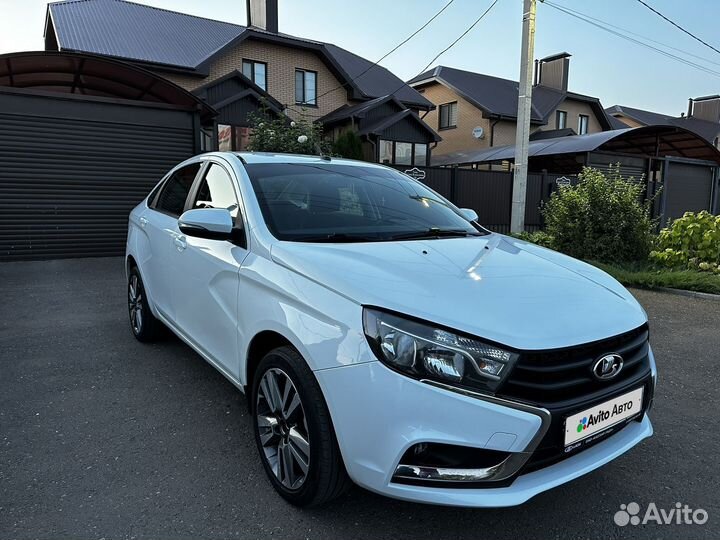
(583, 124)
(448, 115)
(402, 153)
(386, 151)
(305, 87)
(561, 119)
(420, 157)
(256, 72)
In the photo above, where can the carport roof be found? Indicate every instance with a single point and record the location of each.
(91, 76)
(646, 141)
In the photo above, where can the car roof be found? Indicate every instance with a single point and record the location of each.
(270, 157)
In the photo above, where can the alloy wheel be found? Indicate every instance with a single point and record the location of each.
(135, 303)
(282, 427)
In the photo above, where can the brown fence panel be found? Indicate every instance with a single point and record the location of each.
(489, 193)
(436, 178)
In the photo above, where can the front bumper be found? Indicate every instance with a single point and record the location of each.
(378, 414)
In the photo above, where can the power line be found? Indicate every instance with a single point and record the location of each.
(676, 25)
(466, 32)
(641, 36)
(383, 57)
(438, 55)
(633, 40)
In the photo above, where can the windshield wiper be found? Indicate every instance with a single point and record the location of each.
(435, 232)
(335, 238)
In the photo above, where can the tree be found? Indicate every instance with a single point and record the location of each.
(348, 145)
(286, 136)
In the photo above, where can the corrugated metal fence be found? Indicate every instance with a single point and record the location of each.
(489, 193)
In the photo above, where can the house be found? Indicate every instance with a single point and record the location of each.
(475, 111)
(240, 70)
(703, 118)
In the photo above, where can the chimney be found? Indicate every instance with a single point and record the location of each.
(705, 108)
(263, 14)
(552, 71)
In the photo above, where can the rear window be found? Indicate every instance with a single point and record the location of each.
(176, 189)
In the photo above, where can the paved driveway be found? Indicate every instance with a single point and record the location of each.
(101, 436)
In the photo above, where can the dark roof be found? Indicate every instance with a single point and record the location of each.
(706, 129)
(552, 133)
(644, 117)
(384, 123)
(173, 40)
(498, 97)
(674, 141)
(137, 32)
(358, 111)
(94, 77)
(254, 89)
(377, 81)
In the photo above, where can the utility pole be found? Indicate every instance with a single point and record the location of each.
(522, 136)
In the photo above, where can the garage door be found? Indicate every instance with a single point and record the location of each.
(71, 170)
(688, 188)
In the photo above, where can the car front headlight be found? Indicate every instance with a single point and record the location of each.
(423, 351)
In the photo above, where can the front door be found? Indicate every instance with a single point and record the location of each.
(206, 281)
(160, 224)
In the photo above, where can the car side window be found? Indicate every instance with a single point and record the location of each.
(216, 191)
(176, 189)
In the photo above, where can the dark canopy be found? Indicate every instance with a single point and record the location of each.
(644, 141)
(90, 75)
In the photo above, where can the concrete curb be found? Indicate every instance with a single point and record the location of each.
(692, 294)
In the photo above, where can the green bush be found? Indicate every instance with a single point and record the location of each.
(281, 135)
(348, 145)
(600, 218)
(692, 241)
(540, 238)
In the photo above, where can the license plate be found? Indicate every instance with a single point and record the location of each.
(600, 417)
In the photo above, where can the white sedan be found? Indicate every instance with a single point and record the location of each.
(383, 336)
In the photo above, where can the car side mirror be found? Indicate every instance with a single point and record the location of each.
(469, 214)
(212, 223)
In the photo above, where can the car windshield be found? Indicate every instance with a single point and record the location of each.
(333, 202)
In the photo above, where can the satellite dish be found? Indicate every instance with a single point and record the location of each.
(478, 133)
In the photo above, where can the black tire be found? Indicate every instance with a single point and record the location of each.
(143, 324)
(326, 477)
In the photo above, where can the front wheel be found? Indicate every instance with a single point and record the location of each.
(293, 431)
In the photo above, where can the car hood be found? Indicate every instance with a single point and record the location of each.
(495, 287)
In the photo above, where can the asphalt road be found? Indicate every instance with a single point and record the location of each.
(103, 437)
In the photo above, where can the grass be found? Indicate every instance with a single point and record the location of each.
(646, 276)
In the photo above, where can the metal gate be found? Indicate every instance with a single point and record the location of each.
(687, 188)
(71, 171)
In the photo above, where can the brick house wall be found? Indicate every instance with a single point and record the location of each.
(469, 117)
(281, 63)
(574, 109)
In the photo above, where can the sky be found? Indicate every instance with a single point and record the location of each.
(602, 65)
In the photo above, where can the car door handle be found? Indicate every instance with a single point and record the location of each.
(180, 243)
(143, 222)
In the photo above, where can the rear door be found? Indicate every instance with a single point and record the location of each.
(160, 223)
(206, 280)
